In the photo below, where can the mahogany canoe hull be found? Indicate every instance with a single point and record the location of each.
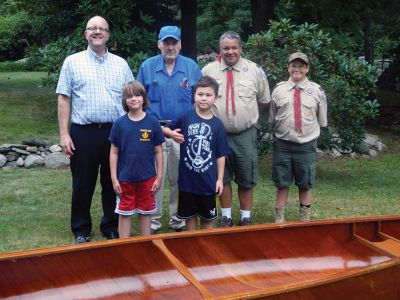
(357, 258)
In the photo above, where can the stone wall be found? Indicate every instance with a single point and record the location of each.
(32, 153)
(37, 153)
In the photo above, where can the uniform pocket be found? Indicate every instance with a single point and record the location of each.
(246, 89)
(308, 110)
(282, 108)
(154, 94)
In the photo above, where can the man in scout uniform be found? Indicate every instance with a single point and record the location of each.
(298, 109)
(242, 86)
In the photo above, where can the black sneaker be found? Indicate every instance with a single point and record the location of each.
(80, 239)
(181, 229)
(245, 222)
(225, 222)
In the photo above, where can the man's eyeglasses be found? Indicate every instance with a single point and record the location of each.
(97, 28)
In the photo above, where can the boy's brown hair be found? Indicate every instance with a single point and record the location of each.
(207, 81)
(134, 88)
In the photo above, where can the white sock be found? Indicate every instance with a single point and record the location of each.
(227, 212)
(244, 214)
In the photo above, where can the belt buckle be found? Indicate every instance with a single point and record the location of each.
(99, 125)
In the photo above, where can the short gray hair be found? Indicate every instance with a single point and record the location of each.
(230, 35)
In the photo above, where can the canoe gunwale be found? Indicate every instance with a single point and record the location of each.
(162, 236)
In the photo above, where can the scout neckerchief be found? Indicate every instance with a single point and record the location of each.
(297, 109)
(229, 88)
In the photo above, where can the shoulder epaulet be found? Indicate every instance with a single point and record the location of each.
(210, 63)
(279, 83)
(315, 84)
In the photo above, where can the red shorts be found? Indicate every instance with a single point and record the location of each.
(136, 198)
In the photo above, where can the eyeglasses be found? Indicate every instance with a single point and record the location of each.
(97, 28)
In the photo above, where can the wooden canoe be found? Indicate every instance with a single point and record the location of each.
(357, 258)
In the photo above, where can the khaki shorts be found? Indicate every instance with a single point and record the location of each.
(241, 163)
(292, 160)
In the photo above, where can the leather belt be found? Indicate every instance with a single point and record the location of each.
(96, 125)
(164, 122)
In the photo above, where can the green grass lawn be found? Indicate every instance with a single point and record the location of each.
(35, 203)
(27, 109)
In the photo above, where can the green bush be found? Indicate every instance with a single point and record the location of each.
(125, 44)
(348, 83)
(15, 66)
(12, 35)
(136, 60)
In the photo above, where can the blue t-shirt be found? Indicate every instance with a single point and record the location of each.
(205, 141)
(135, 141)
(170, 96)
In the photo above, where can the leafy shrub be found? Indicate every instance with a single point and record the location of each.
(212, 21)
(348, 83)
(12, 36)
(53, 54)
(123, 43)
(136, 60)
(13, 66)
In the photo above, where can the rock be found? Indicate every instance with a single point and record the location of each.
(55, 148)
(11, 165)
(20, 162)
(32, 149)
(11, 156)
(56, 160)
(3, 160)
(35, 142)
(371, 139)
(19, 146)
(353, 155)
(380, 146)
(33, 160)
(336, 153)
(4, 150)
(372, 153)
(20, 151)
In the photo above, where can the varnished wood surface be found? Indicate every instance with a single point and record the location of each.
(327, 259)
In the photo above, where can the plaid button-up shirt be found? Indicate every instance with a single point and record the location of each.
(94, 85)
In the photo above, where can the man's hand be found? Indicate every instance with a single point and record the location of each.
(67, 145)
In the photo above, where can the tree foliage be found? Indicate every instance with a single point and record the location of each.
(132, 34)
(347, 82)
(216, 17)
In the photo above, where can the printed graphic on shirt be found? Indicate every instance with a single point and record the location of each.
(145, 136)
(198, 147)
(213, 212)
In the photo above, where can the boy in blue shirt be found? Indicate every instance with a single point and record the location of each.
(203, 148)
(136, 160)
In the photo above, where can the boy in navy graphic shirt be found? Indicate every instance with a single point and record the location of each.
(203, 148)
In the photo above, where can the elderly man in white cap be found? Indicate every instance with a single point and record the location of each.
(298, 110)
(169, 79)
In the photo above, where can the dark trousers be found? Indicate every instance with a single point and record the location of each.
(92, 152)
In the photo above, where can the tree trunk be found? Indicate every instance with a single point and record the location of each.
(189, 28)
(368, 35)
(261, 11)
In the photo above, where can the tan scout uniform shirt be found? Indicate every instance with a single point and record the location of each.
(313, 111)
(250, 86)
